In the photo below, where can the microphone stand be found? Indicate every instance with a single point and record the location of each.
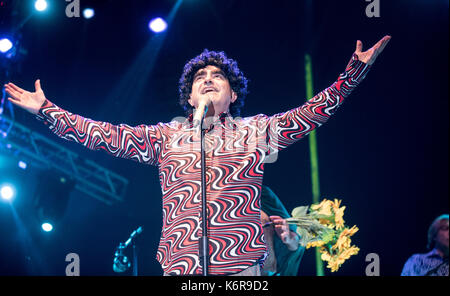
(204, 241)
(135, 260)
(204, 247)
(135, 251)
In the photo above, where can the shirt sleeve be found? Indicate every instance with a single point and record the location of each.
(141, 143)
(286, 128)
(409, 269)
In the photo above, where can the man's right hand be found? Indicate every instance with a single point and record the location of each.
(30, 101)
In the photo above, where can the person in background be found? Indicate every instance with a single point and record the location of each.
(435, 262)
(285, 253)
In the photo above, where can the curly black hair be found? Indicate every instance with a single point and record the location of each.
(236, 78)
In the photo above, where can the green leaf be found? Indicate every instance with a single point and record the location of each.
(300, 211)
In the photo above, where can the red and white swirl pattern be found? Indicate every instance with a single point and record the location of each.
(236, 150)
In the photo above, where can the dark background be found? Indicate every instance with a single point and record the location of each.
(384, 153)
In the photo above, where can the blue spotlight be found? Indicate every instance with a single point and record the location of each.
(88, 13)
(157, 25)
(7, 192)
(40, 5)
(47, 227)
(5, 45)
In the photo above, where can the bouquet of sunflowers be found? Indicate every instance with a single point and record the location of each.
(322, 226)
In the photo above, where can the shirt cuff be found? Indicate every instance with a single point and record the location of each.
(43, 113)
(356, 69)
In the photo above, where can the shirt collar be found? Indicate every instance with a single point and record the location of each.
(225, 118)
(433, 253)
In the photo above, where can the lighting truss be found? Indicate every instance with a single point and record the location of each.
(38, 151)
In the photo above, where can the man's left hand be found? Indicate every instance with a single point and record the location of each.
(369, 56)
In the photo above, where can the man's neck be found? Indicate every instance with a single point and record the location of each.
(213, 112)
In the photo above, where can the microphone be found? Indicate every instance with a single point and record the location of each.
(201, 110)
(121, 262)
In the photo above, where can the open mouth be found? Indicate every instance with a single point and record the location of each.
(209, 89)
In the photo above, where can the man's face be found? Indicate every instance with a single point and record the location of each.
(211, 83)
(442, 235)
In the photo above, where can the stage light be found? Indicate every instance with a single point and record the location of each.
(7, 192)
(51, 201)
(22, 164)
(40, 5)
(47, 227)
(157, 25)
(5, 45)
(88, 13)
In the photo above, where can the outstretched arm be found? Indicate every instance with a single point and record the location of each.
(286, 128)
(140, 143)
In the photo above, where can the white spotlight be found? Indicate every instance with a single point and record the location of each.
(40, 5)
(47, 227)
(7, 192)
(88, 13)
(5, 45)
(22, 165)
(157, 25)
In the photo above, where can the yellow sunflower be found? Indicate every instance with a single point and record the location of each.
(318, 243)
(324, 208)
(342, 242)
(338, 214)
(335, 262)
(350, 231)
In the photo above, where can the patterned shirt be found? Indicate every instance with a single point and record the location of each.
(428, 264)
(236, 150)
